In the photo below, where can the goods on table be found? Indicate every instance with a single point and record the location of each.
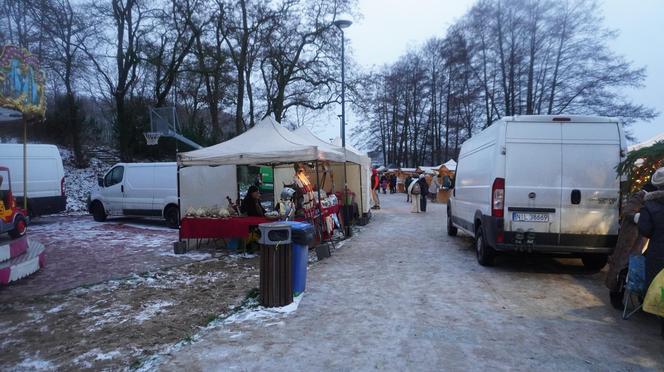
(212, 212)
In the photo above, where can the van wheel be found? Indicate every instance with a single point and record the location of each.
(172, 217)
(451, 229)
(98, 212)
(20, 227)
(594, 262)
(486, 256)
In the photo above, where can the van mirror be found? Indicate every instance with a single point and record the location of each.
(100, 181)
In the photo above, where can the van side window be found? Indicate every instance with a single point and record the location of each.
(114, 176)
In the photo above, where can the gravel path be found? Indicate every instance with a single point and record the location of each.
(401, 295)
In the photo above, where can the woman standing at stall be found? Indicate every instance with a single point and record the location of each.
(251, 204)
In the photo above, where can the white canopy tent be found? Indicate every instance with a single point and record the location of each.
(267, 143)
(450, 165)
(360, 178)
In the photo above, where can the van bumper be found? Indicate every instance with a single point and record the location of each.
(545, 242)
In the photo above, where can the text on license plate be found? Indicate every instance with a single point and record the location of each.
(530, 217)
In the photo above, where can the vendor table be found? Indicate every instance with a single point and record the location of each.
(218, 228)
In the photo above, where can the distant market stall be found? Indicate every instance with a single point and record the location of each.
(208, 199)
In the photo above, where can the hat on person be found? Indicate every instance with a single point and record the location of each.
(422, 175)
(657, 178)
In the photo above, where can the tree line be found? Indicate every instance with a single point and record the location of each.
(502, 58)
(223, 63)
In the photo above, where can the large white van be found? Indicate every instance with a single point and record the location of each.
(137, 189)
(543, 184)
(46, 177)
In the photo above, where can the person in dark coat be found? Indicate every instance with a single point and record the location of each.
(650, 220)
(651, 225)
(424, 192)
(409, 179)
(251, 204)
(393, 184)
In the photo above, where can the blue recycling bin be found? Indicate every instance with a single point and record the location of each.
(302, 234)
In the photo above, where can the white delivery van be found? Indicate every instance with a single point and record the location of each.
(137, 189)
(540, 184)
(46, 177)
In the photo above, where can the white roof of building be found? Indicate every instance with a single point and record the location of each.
(650, 142)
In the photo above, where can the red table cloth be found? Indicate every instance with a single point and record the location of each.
(218, 228)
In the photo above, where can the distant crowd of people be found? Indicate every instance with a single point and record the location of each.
(417, 189)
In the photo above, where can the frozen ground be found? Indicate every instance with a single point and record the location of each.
(79, 182)
(80, 251)
(401, 295)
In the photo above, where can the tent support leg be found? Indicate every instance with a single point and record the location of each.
(320, 210)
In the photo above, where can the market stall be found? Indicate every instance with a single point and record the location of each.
(209, 190)
(446, 173)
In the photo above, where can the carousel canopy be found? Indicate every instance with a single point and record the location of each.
(266, 143)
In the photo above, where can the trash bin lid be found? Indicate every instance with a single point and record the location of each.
(274, 233)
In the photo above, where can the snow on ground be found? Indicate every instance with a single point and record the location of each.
(79, 182)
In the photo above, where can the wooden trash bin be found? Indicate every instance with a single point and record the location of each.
(276, 281)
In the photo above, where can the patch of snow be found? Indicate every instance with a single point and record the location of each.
(79, 182)
(151, 309)
(250, 313)
(197, 256)
(56, 309)
(35, 365)
(108, 356)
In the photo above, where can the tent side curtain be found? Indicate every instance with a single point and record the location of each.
(266, 143)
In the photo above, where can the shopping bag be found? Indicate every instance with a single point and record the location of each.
(654, 301)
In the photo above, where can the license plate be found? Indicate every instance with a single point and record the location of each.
(530, 217)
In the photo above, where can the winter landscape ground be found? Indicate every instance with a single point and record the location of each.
(418, 301)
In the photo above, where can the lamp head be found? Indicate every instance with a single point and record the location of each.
(343, 23)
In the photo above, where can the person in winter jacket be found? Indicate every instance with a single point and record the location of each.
(414, 191)
(651, 225)
(424, 187)
(375, 183)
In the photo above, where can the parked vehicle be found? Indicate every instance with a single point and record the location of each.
(137, 189)
(540, 184)
(46, 177)
(13, 220)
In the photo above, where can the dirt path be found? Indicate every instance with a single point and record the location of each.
(122, 322)
(401, 295)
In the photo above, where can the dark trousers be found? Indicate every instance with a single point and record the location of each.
(423, 203)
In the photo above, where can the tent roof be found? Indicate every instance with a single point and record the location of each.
(332, 152)
(450, 165)
(648, 143)
(266, 143)
(354, 155)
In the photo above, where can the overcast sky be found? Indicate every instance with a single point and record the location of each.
(389, 28)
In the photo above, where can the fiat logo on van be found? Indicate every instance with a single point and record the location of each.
(532, 195)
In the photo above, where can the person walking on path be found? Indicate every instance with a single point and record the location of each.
(424, 192)
(414, 192)
(393, 184)
(374, 189)
(383, 183)
(650, 220)
(409, 180)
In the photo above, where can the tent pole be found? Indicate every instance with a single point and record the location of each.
(320, 207)
(179, 203)
(361, 193)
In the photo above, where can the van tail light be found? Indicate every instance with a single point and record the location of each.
(498, 197)
(62, 186)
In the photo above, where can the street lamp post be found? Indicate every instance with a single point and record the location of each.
(341, 24)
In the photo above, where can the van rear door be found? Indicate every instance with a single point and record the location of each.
(533, 178)
(590, 185)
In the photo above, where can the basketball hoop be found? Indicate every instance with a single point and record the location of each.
(151, 138)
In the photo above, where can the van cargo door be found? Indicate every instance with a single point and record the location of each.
(533, 179)
(590, 186)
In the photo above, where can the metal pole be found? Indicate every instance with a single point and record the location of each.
(347, 208)
(25, 164)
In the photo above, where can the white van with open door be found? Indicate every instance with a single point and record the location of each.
(46, 177)
(137, 189)
(540, 184)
